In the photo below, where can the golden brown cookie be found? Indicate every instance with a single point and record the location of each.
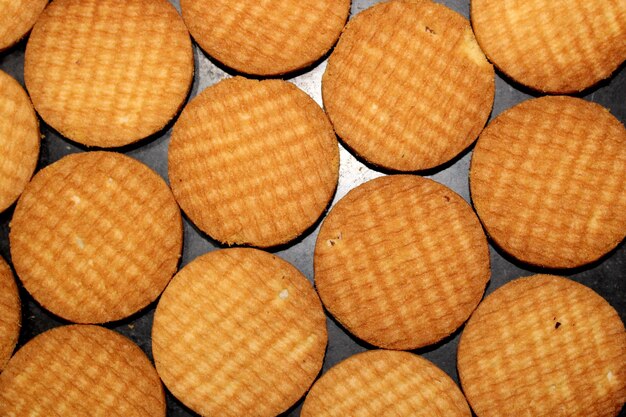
(556, 46)
(266, 37)
(407, 86)
(10, 313)
(81, 370)
(385, 383)
(544, 346)
(239, 332)
(547, 179)
(401, 262)
(108, 73)
(19, 140)
(17, 17)
(96, 237)
(253, 162)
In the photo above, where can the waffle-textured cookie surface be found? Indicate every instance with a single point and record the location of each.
(548, 180)
(253, 162)
(266, 37)
(239, 332)
(544, 346)
(401, 261)
(19, 140)
(81, 370)
(407, 86)
(10, 313)
(108, 73)
(17, 17)
(96, 236)
(381, 383)
(557, 46)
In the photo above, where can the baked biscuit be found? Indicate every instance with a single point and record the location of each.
(544, 346)
(407, 87)
(253, 162)
(401, 262)
(10, 313)
(266, 37)
(385, 383)
(81, 370)
(547, 179)
(96, 236)
(19, 140)
(17, 17)
(556, 46)
(239, 332)
(107, 73)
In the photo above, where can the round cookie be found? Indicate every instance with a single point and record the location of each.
(81, 370)
(107, 73)
(239, 332)
(385, 383)
(19, 140)
(10, 313)
(407, 87)
(17, 17)
(266, 37)
(544, 346)
(556, 46)
(96, 236)
(547, 179)
(253, 162)
(401, 262)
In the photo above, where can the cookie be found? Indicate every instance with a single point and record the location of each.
(266, 37)
(81, 370)
(239, 332)
(552, 46)
(19, 140)
(108, 73)
(10, 313)
(385, 383)
(401, 262)
(17, 17)
(547, 179)
(407, 87)
(96, 236)
(253, 162)
(544, 346)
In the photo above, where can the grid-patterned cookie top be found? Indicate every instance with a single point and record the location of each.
(17, 17)
(239, 332)
(108, 73)
(81, 370)
(548, 180)
(401, 261)
(557, 46)
(253, 162)
(385, 383)
(266, 37)
(19, 140)
(544, 346)
(96, 236)
(407, 86)
(10, 313)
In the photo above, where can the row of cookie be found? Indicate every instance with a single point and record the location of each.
(241, 332)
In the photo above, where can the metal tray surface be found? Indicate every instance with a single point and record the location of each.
(607, 276)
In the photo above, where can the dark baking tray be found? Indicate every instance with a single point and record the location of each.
(607, 276)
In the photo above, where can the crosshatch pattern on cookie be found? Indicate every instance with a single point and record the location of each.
(246, 301)
(401, 261)
(547, 179)
(96, 236)
(544, 346)
(108, 73)
(407, 86)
